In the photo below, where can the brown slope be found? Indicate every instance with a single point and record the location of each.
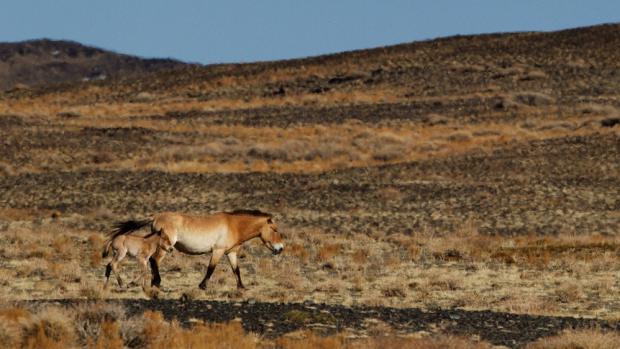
(45, 62)
(568, 67)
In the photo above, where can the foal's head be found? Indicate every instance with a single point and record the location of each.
(271, 237)
(164, 243)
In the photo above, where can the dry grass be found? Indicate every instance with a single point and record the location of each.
(311, 148)
(584, 339)
(560, 275)
(106, 326)
(384, 340)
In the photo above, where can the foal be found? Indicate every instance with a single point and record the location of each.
(142, 248)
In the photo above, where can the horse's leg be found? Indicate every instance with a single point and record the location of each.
(154, 261)
(215, 258)
(232, 259)
(108, 271)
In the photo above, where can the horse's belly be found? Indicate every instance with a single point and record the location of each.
(196, 244)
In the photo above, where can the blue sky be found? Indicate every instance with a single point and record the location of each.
(244, 31)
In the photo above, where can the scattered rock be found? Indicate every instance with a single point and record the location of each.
(611, 122)
(68, 115)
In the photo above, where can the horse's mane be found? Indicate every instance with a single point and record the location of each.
(257, 213)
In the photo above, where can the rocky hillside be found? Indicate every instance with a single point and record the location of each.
(45, 62)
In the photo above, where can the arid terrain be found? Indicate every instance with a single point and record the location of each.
(460, 192)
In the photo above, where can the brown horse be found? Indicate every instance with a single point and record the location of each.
(142, 248)
(221, 233)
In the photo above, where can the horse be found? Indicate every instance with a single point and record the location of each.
(220, 233)
(142, 248)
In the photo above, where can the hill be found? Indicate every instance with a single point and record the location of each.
(47, 62)
(473, 172)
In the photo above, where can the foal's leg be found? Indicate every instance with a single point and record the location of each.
(141, 275)
(144, 271)
(116, 261)
(232, 259)
(215, 257)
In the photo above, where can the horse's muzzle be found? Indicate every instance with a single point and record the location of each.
(277, 249)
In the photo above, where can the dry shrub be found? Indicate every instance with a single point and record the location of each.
(6, 170)
(360, 256)
(95, 258)
(414, 251)
(445, 283)
(50, 328)
(327, 252)
(311, 341)
(16, 214)
(435, 119)
(95, 241)
(110, 337)
(569, 293)
(35, 249)
(385, 340)
(460, 136)
(161, 334)
(33, 268)
(597, 109)
(10, 326)
(54, 327)
(389, 193)
(504, 257)
(299, 251)
(90, 317)
(388, 147)
(14, 314)
(66, 271)
(534, 99)
(91, 290)
(538, 258)
(394, 291)
(534, 74)
(441, 342)
(582, 339)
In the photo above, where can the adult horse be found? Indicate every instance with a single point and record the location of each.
(221, 233)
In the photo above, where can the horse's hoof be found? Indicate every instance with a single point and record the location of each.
(202, 286)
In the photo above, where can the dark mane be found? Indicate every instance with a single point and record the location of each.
(257, 213)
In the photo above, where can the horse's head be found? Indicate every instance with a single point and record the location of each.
(164, 243)
(271, 237)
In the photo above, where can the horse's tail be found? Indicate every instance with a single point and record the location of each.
(126, 227)
(106, 248)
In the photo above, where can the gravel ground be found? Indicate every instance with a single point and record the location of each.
(561, 185)
(276, 319)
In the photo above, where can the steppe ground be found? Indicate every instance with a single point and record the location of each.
(470, 172)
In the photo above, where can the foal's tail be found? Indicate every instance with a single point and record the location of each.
(106, 248)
